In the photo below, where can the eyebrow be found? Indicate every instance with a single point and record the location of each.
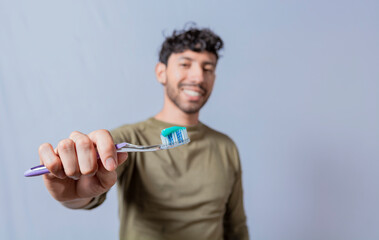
(190, 59)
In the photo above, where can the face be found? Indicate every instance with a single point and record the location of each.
(189, 78)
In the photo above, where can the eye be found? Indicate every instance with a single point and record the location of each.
(184, 65)
(208, 70)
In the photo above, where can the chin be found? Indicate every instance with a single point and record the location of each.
(188, 107)
(191, 110)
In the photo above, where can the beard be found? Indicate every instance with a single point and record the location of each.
(187, 107)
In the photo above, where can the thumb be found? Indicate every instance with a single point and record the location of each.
(106, 178)
(121, 158)
(109, 178)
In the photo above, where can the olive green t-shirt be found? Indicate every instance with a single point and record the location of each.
(193, 191)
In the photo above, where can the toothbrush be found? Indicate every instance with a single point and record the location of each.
(171, 137)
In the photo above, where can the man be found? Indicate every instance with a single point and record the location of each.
(190, 192)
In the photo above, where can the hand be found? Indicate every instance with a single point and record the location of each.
(76, 173)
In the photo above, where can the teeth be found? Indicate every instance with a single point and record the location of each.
(191, 93)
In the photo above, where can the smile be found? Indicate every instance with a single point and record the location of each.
(191, 93)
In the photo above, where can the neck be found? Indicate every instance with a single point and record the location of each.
(172, 114)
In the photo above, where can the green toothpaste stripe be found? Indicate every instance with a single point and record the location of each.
(168, 131)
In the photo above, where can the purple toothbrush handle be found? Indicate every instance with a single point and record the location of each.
(41, 169)
(36, 171)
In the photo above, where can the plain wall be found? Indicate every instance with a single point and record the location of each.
(297, 89)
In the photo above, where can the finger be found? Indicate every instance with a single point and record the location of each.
(51, 160)
(105, 148)
(86, 153)
(121, 157)
(67, 154)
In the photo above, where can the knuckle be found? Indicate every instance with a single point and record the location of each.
(43, 147)
(100, 133)
(74, 133)
(83, 143)
(66, 144)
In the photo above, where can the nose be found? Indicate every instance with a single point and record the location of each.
(196, 74)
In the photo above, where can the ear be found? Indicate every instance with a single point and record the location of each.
(160, 73)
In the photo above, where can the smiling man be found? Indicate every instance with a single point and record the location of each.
(190, 192)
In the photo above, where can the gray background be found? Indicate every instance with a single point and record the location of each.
(297, 89)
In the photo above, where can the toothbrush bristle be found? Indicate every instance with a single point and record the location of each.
(176, 138)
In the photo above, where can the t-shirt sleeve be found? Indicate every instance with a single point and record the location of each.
(96, 201)
(235, 219)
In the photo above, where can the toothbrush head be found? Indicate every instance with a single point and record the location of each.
(173, 137)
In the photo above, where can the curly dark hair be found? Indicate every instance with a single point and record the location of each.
(195, 39)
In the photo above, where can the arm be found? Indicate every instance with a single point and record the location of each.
(235, 219)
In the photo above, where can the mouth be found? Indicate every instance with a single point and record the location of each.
(192, 93)
(193, 90)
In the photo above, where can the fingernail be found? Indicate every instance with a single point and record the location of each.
(110, 164)
(75, 178)
(61, 175)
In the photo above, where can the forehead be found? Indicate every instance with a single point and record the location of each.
(201, 57)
